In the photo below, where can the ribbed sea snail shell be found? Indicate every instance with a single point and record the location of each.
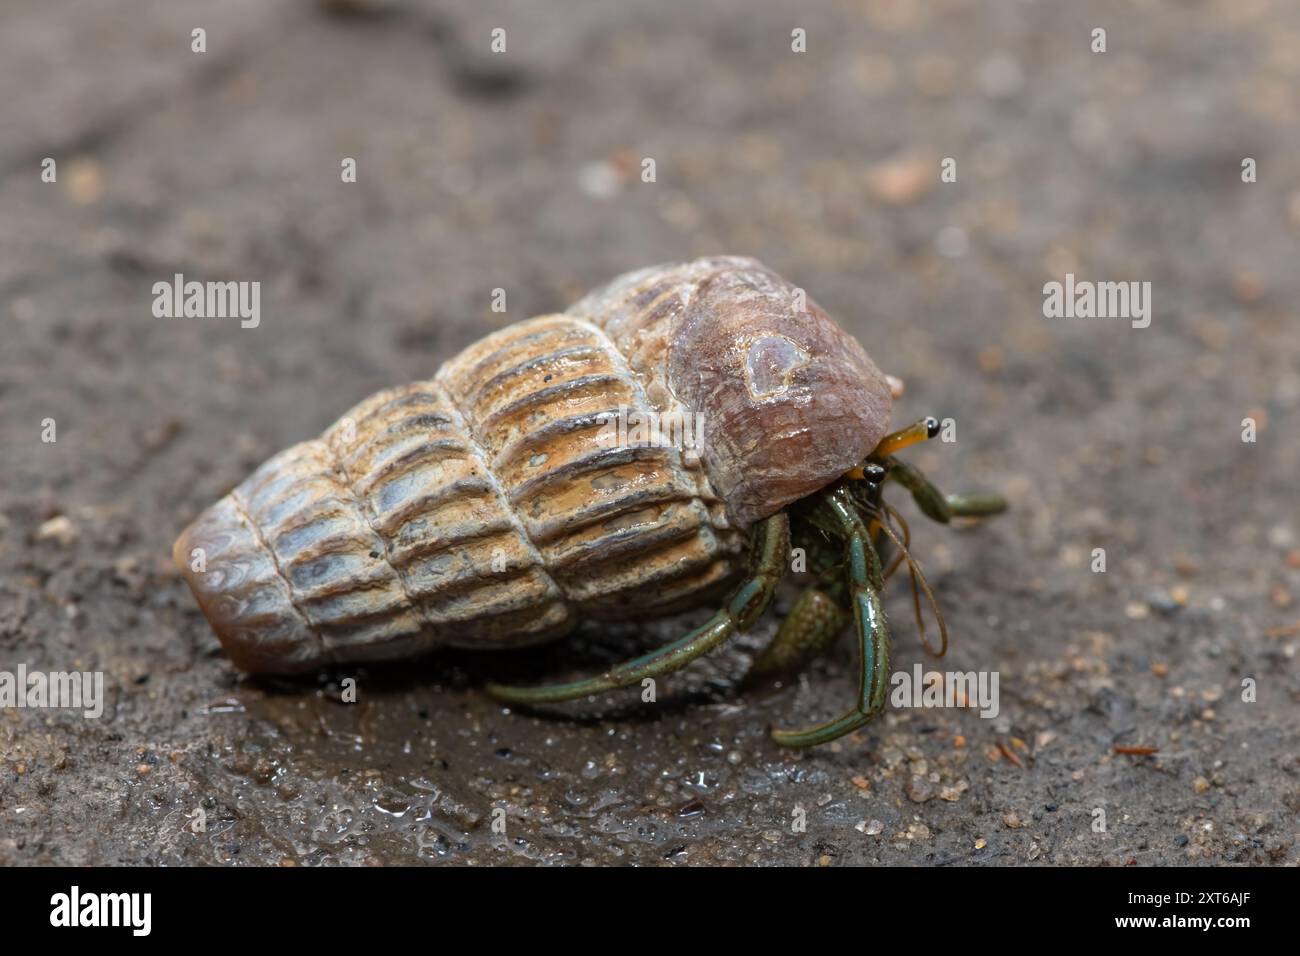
(488, 507)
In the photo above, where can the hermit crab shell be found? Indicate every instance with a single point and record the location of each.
(498, 503)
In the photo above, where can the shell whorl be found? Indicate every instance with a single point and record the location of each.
(790, 401)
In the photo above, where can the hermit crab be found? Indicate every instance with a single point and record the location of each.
(495, 506)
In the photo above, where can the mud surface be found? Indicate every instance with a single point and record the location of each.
(522, 171)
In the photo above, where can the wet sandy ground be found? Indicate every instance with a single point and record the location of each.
(521, 171)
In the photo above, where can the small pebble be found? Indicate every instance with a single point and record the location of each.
(1012, 821)
(919, 789)
(1201, 785)
(1136, 611)
(599, 180)
(1163, 602)
(903, 179)
(59, 529)
(953, 793)
(85, 181)
(1248, 286)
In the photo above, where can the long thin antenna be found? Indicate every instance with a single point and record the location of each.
(919, 584)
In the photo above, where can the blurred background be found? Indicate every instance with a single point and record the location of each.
(522, 170)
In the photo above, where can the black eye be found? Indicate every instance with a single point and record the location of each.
(873, 473)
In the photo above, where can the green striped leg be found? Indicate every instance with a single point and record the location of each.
(865, 583)
(746, 605)
(814, 621)
(935, 504)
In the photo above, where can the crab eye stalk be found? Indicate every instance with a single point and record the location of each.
(871, 472)
(920, 431)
